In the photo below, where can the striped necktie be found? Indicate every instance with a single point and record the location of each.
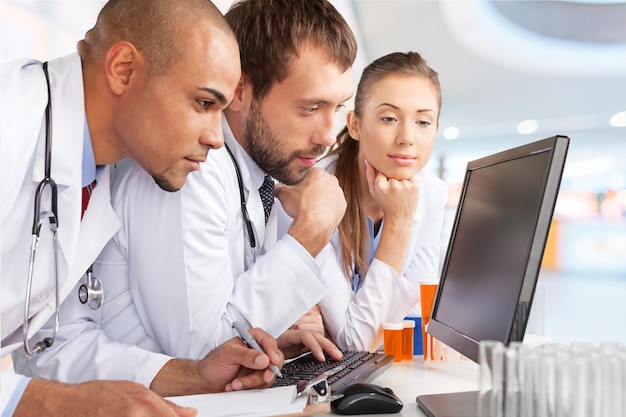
(87, 189)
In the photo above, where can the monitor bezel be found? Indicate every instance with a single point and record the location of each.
(455, 339)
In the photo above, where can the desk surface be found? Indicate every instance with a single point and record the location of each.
(408, 379)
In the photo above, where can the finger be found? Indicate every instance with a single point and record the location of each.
(329, 347)
(370, 175)
(182, 411)
(319, 344)
(311, 327)
(240, 354)
(268, 344)
(253, 380)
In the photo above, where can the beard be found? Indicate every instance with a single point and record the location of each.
(164, 183)
(266, 149)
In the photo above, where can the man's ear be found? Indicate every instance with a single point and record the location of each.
(122, 64)
(243, 94)
(352, 121)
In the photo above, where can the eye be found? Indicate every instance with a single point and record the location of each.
(388, 119)
(310, 110)
(339, 107)
(424, 123)
(205, 104)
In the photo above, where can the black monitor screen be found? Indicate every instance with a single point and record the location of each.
(496, 246)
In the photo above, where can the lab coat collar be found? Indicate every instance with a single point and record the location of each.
(252, 176)
(68, 116)
(67, 98)
(252, 169)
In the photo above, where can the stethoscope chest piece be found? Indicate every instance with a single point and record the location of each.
(91, 293)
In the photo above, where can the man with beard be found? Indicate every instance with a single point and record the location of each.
(195, 261)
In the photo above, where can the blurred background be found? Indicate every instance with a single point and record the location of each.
(512, 72)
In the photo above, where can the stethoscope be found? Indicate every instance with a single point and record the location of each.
(92, 291)
(250, 255)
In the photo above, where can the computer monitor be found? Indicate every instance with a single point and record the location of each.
(494, 255)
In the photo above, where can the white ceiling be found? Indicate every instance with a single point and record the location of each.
(495, 73)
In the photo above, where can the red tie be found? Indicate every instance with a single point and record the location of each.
(87, 189)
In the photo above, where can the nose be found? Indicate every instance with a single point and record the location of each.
(407, 134)
(326, 135)
(212, 135)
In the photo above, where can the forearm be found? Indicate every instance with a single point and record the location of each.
(394, 241)
(90, 355)
(310, 235)
(354, 322)
(178, 377)
(46, 398)
(257, 299)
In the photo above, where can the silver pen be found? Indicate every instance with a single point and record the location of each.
(247, 338)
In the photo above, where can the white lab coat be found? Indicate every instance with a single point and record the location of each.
(23, 99)
(183, 258)
(354, 320)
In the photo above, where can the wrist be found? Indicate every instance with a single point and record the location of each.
(313, 237)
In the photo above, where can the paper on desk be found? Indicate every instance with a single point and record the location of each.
(250, 403)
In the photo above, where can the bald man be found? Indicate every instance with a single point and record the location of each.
(149, 82)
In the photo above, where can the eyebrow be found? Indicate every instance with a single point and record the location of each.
(398, 108)
(220, 97)
(319, 101)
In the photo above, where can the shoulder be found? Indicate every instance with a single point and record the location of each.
(431, 185)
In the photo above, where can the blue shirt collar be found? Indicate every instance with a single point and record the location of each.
(90, 171)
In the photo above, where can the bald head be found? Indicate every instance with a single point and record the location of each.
(157, 28)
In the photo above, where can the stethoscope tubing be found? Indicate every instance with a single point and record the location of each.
(244, 209)
(36, 229)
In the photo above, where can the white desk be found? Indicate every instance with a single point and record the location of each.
(408, 379)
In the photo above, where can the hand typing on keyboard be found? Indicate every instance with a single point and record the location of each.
(312, 321)
(295, 342)
(355, 366)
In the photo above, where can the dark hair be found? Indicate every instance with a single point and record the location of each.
(353, 228)
(272, 32)
(157, 28)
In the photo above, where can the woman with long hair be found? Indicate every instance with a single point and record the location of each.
(390, 237)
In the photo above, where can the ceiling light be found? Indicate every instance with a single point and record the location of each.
(451, 133)
(527, 127)
(619, 120)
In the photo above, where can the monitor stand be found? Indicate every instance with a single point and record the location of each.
(452, 404)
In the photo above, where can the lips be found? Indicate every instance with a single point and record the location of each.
(402, 159)
(308, 161)
(196, 161)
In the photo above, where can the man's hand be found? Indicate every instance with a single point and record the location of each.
(317, 205)
(295, 342)
(231, 366)
(95, 398)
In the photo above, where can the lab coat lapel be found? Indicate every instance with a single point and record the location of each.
(98, 226)
(80, 242)
(250, 191)
(67, 148)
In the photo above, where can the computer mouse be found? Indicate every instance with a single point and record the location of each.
(361, 398)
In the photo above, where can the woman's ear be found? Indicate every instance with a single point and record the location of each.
(123, 64)
(243, 92)
(352, 122)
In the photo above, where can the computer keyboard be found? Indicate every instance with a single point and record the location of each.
(355, 366)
